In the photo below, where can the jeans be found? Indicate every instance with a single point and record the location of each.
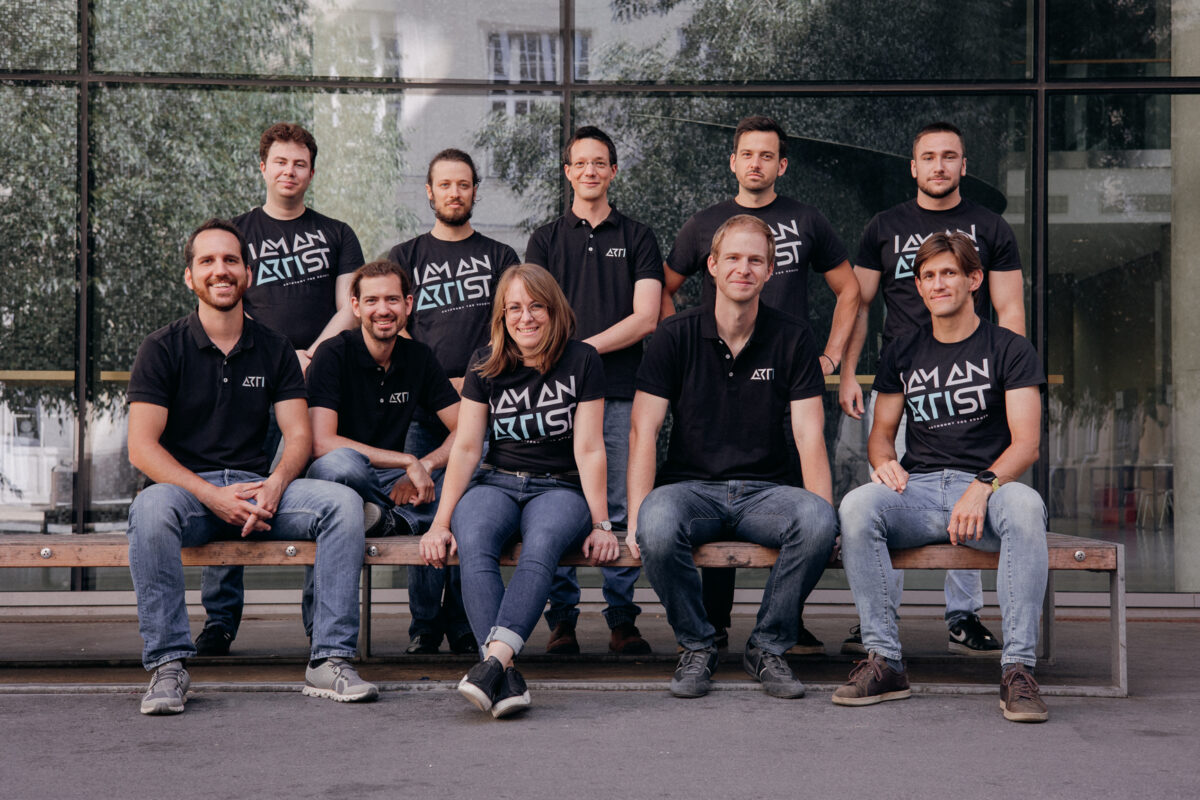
(618, 581)
(677, 517)
(875, 518)
(550, 517)
(165, 518)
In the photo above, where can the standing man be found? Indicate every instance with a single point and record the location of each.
(885, 257)
(804, 240)
(300, 264)
(199, 394)
(730, 373)
(610, 269)
(455, 270)
(971, 392)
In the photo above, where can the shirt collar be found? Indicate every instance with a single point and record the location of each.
(201, 339)
(574, 221)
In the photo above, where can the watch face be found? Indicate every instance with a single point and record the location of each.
(604, 526)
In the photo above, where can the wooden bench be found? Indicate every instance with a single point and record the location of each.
(1066, 553)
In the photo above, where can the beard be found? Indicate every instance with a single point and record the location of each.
(937, 194)
(454, 217)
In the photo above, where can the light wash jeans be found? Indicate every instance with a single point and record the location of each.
(874, 518)
(165, 518)
(618, 581)
(677, 517)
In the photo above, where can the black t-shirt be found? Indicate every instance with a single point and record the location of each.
(453, 283)
(803, 239)
(217, 405)
(532, 416)
(294, 266)
(597, 269)
(954, 394)
(728, 412)
(375, 406)
(890, 243)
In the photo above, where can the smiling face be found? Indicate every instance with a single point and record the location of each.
(945, 287)
(590, 170)
(288, 171)
(525, 319)
(742, 265)
(217, 274)
(938, 164)
(452, 192)
(756, 162)
(381, 307)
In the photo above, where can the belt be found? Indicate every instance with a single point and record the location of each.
(571, 476)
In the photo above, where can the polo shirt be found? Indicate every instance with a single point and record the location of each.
(375, 405)
(217, 405)
(728, 411)
(597, 269)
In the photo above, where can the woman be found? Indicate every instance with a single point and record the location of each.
(540, 398)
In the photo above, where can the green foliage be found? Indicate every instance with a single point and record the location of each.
(525, 153)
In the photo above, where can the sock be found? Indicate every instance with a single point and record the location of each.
(897, 666)
(316, 662)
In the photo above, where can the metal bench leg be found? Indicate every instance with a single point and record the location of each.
(364, 623)
(1046, 644)
(1116, 611)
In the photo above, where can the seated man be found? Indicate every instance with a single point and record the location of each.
(974, 415)
(364, 386)
(199, 394)
(729, 372)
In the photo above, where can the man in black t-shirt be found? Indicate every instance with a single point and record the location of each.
(730, 373)
(885, 260)
(804, 240)
(454, 269)
(300, 264)
(199, 394)
(971, 391)
(610, 268)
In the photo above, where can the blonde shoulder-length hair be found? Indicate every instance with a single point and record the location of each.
(560, 327)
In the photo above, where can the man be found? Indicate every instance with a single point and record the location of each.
(610, 269)
(455, 269)
(300, 264)
(365, 386)
(730, 372)
(804, 239)
(199, 394)
(885, 257)
(971, 391)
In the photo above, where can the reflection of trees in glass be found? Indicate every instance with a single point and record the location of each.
(39, 34)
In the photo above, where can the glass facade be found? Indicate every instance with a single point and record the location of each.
(128, 127)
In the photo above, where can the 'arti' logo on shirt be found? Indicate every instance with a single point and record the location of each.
(764, 374)
(398, 397)
(254, 382)
(615, 252)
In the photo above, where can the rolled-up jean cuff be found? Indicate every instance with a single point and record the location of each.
(1028, 661)
(505, 636)
(178, 655)
(332, 652)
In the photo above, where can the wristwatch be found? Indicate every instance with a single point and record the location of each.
(602, 526)
(987, 476)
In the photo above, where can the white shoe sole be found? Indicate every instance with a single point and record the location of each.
(474, 694)
(511, 705)
(902, 694)
(1028, 716)
(162, 708)
(330, 694)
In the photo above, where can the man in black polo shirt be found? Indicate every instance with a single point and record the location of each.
(364, 387)
(729, 373)
(610, 269)
(199, 393)
(455, 269)
(300, 265)
(804, 240)
(885, 260)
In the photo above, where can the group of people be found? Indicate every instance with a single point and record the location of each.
(454, 392)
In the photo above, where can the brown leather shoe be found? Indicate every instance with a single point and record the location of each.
(627, 640)
(562, 640)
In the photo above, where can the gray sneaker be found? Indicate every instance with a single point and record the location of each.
(693, 674)
(772, 672)
(372, 519)
(168, 689)
(337, 680)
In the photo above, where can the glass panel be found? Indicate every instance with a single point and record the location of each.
(39, 34)
(1134, 39)
(702, 41)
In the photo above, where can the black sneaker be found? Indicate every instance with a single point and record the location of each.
(772, 672)
(693, 674)
(969, 637)
(807, 644)
(482, 682)
(213, 641)
(872, 681)
(852, 645)
(424, 644)
(512, 695)
(1019, 696)
(464, 644)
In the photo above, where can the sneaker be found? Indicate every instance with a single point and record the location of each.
(372, 518)
(1019, 697)
(464, 644)
(872, 681)
(379, 521)
(807, 644)
(424, 644)
(336, 679)
(627, 640)
(772, 672)
(693, 674)
(562, 641)
(512, 695)
(213, 641)
(482, 682)
(168, 689)
(969, 637)
(852, 645)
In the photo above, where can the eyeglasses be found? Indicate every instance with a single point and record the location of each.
(580, 166)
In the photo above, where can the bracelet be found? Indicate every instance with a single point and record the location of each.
(830, 360)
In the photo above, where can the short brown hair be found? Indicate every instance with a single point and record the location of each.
(215, 224)
(748, 222)
(452, 154)
(957, 244)
(379, 269)
(542, 287)
(591, 132)
(939, 127)
(758, 122)
(288, 132)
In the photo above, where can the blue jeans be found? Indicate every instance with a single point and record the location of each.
(550, 517)
(677, 517)
(165, 518)
(618, 581)
(875, 518)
